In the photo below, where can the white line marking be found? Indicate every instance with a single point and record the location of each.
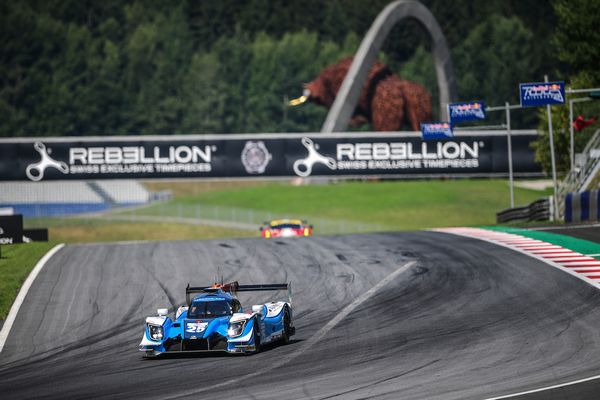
(539, 247)
(593, 255)
(307, 343)
(555, 251)
(12, 314)
(591, 378)
(574, 263)
(568, 254)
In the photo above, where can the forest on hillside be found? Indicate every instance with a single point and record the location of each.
(114, 67)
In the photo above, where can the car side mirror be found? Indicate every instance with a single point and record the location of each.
(162, 312)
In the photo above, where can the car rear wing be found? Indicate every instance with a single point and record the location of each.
(234, 287)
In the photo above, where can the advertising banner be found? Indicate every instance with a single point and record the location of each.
(462, 112)
(541, 93)
(267, 155)
(436, 131)
(11, 229)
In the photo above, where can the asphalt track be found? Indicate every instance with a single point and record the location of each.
(466, 320)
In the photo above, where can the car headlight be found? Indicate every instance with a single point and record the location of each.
(236, 328)
(156, 332)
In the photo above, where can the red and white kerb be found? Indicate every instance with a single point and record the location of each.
(582, 266)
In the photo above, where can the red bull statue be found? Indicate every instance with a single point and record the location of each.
(386, 101)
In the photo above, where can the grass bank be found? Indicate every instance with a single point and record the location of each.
(15, 264)
(392, 205)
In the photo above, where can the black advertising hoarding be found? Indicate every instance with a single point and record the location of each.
(266, 155)
(11, 229)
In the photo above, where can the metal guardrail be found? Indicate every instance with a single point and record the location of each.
(539, 210)
(580, 177)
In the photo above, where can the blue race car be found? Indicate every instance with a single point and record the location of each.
(214, 320)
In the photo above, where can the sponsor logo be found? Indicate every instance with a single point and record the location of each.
(399, 156)
(6, 240)
(36, 171)
(255, 157)
(466, 111)
(1, 231)
(542, 92)
(139, 160)
(537, 94)
(407, 156)
(210, 299)
(98, 160)
(437, 130)
(139, 155)
(303, 167)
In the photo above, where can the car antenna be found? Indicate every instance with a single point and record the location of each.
(217, 276)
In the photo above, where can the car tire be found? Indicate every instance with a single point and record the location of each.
(285, 338)
(257, 335)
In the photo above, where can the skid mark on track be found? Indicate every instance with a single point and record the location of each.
(380, 381)
(309, 342)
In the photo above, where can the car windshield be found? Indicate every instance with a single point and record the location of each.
(284, 226)
(209, 309)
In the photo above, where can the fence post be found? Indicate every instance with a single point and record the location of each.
(510, 163)
(552, 157)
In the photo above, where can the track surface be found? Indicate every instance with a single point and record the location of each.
(469, 320)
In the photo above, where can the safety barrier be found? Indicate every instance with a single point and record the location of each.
(580, 177)
(539, 210)
(583, 206)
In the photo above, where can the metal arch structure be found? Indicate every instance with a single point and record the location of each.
(345, 103)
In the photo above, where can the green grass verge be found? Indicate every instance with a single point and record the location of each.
(579, 245)
(397, 205)
(16, 263)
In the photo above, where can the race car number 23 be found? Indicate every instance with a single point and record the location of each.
(195, 327)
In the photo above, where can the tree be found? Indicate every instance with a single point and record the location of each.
(495, 57)
(577, 37)
(577, 41)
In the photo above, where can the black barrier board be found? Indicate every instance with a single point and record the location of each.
(11, 229)
(235, 156)
(36, 234)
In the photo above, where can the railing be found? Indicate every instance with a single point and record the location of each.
(539, 210)
(580, 177)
